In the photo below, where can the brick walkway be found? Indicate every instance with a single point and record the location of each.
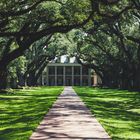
(69, 119)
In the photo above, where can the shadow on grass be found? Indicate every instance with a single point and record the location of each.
(118, 111)
(21, 112)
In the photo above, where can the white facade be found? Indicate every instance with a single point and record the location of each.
(67, 72)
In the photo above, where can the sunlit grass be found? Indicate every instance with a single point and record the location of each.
(22, 110)
(118, 111)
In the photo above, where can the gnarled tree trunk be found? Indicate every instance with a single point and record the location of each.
(3, 77)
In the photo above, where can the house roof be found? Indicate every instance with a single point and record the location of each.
(64, 59)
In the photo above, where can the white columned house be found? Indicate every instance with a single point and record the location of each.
(65, 71)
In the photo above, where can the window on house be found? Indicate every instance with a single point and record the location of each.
(76, 70)
(51, 70)
(68, 70)
(59, 70)
(84, 71)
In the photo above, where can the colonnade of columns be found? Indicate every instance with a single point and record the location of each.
(72, 75)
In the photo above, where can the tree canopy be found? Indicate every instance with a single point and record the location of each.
(106, 37)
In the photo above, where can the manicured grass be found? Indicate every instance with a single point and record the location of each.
(22, 110)
(118, 111)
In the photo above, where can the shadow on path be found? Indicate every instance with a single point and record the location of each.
(69, 119)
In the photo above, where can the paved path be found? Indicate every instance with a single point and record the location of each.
(69, 119)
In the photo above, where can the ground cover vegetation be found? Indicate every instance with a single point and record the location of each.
(117, 110)
(22, 110)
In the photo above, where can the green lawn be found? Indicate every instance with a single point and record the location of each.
(118, 111)
(22, 110)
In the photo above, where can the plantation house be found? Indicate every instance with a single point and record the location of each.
(65, 71)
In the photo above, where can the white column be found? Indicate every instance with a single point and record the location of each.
(81, 78)
(89, 77)
(72, 75)
(95, 79)
(64, 77)
(55, 75)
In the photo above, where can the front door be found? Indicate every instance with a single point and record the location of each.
(68, 81)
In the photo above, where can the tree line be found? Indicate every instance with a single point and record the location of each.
(108, 40)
